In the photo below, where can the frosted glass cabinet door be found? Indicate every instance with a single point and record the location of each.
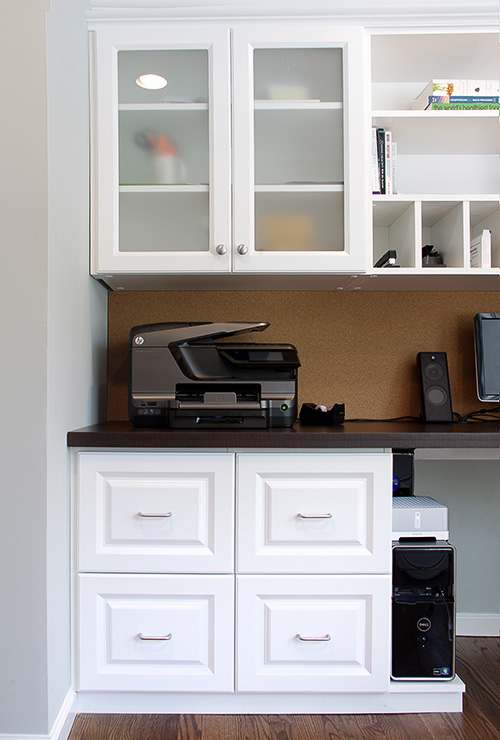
(300, 200)
(161, 194)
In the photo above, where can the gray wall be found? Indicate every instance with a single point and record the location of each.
(53, 345)
(471, 491)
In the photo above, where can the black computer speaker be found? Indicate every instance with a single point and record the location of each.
(436, 396)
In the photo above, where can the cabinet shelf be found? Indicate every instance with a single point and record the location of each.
(443, 271)
(474, 197)
(296, 105)
(301, 188)
(431, 115)
(162, 106)
(405, 223)
(174, 188)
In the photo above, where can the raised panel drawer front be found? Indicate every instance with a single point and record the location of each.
(314, 513)
(313, 633)
(156, 633)
(155, 512)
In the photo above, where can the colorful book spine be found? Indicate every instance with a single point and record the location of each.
(464, 106)
(447, 87)
(461, 99)
(472, 99)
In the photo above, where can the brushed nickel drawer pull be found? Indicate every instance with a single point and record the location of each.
(152, 637)
(326, 638)
(312, 516)
(154, 516)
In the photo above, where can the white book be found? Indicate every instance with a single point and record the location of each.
(388, 166)
(394, 157)
(480, 250)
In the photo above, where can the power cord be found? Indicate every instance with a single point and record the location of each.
(481, 415)
(473, 416)
(397, 418)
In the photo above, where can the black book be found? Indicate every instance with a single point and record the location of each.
(381, 159)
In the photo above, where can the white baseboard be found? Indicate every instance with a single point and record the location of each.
(65, 718)
(61, 727)
(402, 697)
(478, 625)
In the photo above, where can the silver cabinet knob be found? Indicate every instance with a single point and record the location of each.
(221, 249)
(242, 249)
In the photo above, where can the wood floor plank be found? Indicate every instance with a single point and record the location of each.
(190, 727)
(354, 726)
(264, 727)
(220, 726)
(478, 664)
(313, 727)
(125, 727)
(479, 660)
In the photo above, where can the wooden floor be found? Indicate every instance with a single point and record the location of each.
(478, 665)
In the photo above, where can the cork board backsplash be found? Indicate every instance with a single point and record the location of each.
(356, 348)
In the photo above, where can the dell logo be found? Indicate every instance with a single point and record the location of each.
(424, 624)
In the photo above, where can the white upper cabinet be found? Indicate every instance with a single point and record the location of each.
(162, 156)
(254, 157)
(248, 158)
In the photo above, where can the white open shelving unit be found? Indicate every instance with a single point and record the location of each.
(448, 164)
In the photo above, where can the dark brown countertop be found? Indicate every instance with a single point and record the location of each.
(353, 434)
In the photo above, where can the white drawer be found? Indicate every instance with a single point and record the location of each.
(313, 633)
(140, 512)
(314, 513)
(155, 633)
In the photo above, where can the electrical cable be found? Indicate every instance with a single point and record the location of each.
(482, 415)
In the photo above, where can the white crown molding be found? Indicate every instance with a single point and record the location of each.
(386, 13)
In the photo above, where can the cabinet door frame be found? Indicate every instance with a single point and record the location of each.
(106, 256)
(289, 34)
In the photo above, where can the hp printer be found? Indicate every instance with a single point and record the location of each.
(180, 378)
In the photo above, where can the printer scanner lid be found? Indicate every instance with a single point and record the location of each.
(165, 334)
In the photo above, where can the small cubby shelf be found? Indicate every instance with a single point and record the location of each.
(406, 223)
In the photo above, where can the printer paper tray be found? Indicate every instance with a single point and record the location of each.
(220, 420)
(192, 407)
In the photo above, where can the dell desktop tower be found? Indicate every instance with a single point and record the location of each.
(423, 611)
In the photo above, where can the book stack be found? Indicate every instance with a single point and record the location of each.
(384, 160)
(480, 250)
(459, 95)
